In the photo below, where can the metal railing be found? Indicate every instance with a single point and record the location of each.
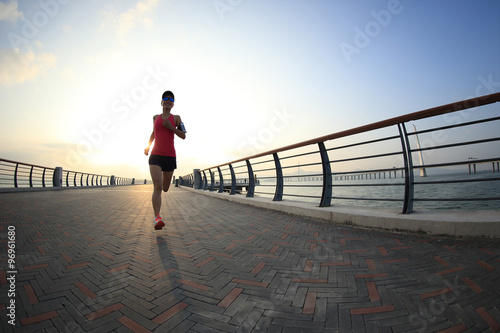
(19, 175)
(377, 158)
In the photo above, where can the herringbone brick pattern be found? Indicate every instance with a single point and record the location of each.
(89, 260)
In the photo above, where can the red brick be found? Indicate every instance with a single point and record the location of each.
(449, 248)
(472, 285)
(182, 255)
(258, 268)
(67, 258)
(106, 254)
(487, 251)
(39, 318)
(143, 259)
(159, 275)
(103, 312)
(132, 325)
(193, 284)
(160, 319)
(78, 265)
(35, 267)
(372, 291)
(485, 265)
(309, 266)
(117, 269)
(204, 262)
(494, 325)
(31, 294)
(309, 304)
(229, 299)
(41, 250)
(274, 249)
(452, 270)
(371, 265)
(383, 250)
(393, 261)
(454, 329)
(230, 246)
(86, 291)
(441, 261)
(436, 292)
(375, 309)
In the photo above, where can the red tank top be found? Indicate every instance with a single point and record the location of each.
(164, 138)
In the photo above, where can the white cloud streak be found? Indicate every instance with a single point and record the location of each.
(123, 23)
(18, 67)
(9, 11)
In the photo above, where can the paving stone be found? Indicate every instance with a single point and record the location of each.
(89, 260)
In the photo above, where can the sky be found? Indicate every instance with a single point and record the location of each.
(80, 81)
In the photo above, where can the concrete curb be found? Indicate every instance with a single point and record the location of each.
(456, 223)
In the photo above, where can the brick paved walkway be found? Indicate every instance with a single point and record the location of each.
(88, 260)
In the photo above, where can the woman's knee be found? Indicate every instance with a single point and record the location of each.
(166, 187)
(157, 186)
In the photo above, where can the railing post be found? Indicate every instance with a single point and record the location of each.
(112, 181)
(233, 181)
(221, 181)
(15, 175)
(212, 181)
(204, 181)
(197, 179)
(31, 177)
(408, 166)
(251, 181)
(57, 177)
(326, 196)
(278, 195)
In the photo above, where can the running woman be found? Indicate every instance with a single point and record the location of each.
(162, 161)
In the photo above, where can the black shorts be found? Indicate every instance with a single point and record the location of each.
(167, 163)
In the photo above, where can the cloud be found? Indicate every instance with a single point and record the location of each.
(18, 67)
(9, 12)
(123, 23)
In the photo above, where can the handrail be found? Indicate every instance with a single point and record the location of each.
(21, 175)
(406, 151)
(436, 111)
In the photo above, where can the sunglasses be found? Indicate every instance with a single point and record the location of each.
(168, 99)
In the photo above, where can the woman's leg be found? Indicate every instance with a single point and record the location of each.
(167, 179)
(156, 176)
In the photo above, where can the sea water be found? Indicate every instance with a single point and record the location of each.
(391, 191)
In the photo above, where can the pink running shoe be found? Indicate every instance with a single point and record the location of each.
(159, 224)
